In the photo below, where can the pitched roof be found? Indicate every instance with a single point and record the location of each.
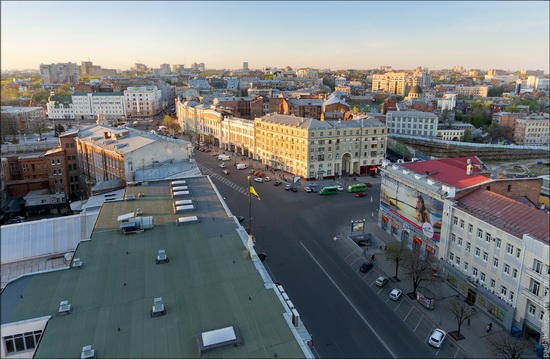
(507, 214)
(451, 171)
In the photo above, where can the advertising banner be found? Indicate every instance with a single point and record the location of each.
(417, 209)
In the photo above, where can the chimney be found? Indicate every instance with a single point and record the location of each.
(469, 167)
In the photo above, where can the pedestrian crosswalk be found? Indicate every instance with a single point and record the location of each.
(223, 179)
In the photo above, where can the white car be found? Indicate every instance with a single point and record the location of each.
(437, 338)
(339, 188)
(395, 294)
(307, 189)
(258, 179)
(381, 281)
(267, 179)
(222, 165)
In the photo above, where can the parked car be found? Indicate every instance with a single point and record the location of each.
(258, 179)
(277, 183)
(395, 294)
(381, 281)
(437, 338)
(339, 188)
(307, 189)
(294, 189)
(360, 194)
(222, 165)
(225, 172)
(368, 184)
(314, 189)
(365, 267)
(267, 179)
(288, 187)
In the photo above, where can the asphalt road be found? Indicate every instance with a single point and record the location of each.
(346, 316)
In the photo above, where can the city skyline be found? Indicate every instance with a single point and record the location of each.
(223, 35)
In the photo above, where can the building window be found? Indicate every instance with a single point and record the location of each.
(535, 288)
(509, 248)
(537, 266)
(507, 269)
(541, 315)
(453, 238)
(487, 237)
(518, 252)
(468, 246)
(470, 228)
(514, 273)
(492, 284)
(460, 241)
(465, 265)
(455, 220)
(451, 256)
(22, 342)
(457, 260)
(495, 262)
(511, 295)
(477, 252)
(482, 276)
(497, 240)
(485, 256)
(462, 223)
(503, 290)
(531, 310)
(480, 233)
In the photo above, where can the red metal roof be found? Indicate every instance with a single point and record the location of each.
(511, 216)
(451, 171)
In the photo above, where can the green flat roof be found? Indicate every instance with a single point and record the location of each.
(206, 285)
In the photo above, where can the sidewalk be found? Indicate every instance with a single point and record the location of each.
(475, 336)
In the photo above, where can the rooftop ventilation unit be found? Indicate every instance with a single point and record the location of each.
(162, 257)
(64, 308)
(219, 339)
(77, 263)
(87, 352)
(158, 308)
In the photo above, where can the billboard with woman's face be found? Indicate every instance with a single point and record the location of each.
(413, 207)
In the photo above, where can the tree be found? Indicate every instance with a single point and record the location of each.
(59, 129)
(172, 125)
(40, 126)
(418, 268)
(396, 253)
(468, 137)
(498, 131)
(507, 347)
(462, 312)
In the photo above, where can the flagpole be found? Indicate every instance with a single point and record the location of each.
(249, 208)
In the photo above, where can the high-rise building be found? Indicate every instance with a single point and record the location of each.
(245, 66)
(392, 82)
(61, 73)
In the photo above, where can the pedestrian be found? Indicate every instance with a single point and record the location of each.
(366, 248)
(490, 326)
(385, 248)
(372, 258)
(380, 247)
(468, 321)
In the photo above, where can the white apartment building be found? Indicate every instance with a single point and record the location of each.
(455, 132)
(93, 105)
(308, 73)
(473, 91)
(497, 257)
(392, 82)
(58, 110)
(447, 102)
(538, 83)
(142, 101)
(414, 123)
(314, 149)
(199, 83)
(532, 130)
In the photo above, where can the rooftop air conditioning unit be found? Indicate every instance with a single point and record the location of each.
(77, 263)
(64, 308)
(158, 308)
(87, 352)
(162, 257)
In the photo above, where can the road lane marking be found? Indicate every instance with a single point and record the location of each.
(429, 334)
(349, 302)
(408, 314)
(422, 317)
(457, 350)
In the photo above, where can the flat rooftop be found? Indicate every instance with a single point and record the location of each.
(209, 283)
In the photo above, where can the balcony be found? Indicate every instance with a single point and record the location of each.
(532, 296)
(540, 277)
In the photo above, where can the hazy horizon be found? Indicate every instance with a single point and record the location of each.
(511, 35)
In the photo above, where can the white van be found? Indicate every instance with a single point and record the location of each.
(241, 166)
(223, 157)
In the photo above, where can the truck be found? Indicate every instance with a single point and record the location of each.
(223, 157)
(241, 166)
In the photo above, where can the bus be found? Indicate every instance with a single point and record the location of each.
(329, 190)
(358, 187)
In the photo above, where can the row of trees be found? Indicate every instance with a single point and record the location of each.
(420, 269)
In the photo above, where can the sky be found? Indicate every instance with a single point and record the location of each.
(507, 35)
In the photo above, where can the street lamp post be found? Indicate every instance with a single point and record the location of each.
(249, 208)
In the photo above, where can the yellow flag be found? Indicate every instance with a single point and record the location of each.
(254, 193)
